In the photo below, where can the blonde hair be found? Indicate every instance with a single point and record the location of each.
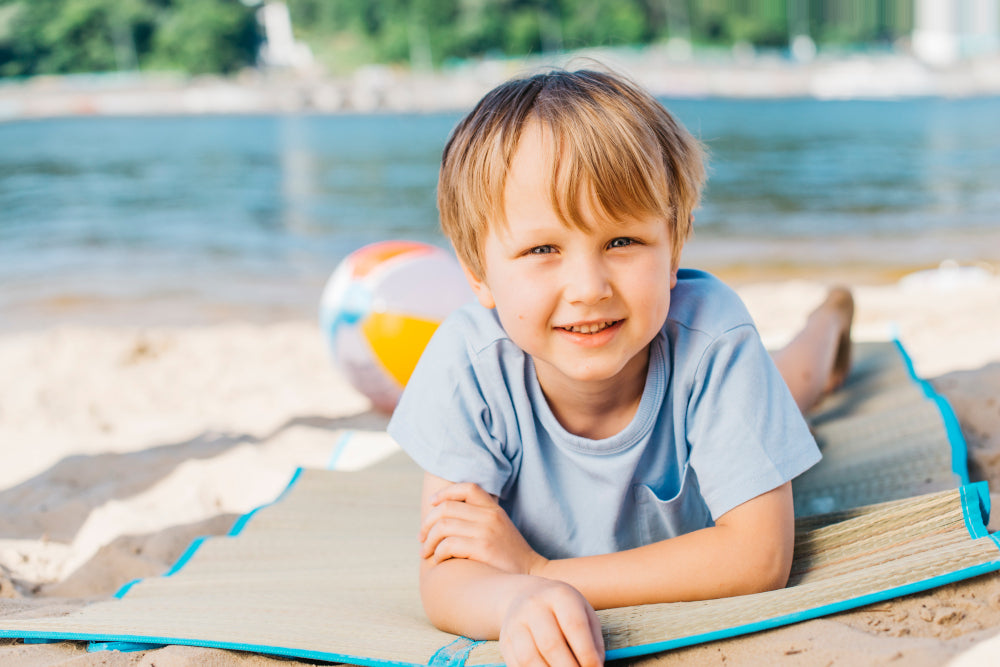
(615, 145)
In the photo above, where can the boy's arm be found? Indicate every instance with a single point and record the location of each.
(748, 550)
(535, 619)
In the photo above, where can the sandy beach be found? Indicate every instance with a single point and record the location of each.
(123, 443)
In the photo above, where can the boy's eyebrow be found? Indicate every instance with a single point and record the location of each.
(523, 235)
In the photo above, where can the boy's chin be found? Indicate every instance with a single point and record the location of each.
(597, 374)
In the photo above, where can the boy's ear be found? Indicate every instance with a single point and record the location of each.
(479, 286)
(673, 277)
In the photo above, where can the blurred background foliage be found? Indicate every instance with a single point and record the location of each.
(222, 36)
(69, 36)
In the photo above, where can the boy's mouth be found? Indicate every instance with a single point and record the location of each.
(590, 328)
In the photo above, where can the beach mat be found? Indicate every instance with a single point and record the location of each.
(885, 435)
(328, 571)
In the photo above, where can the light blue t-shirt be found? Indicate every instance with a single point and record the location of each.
(716, 426)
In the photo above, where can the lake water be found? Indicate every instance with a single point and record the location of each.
(191, 219)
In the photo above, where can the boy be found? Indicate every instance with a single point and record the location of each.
(601, 429)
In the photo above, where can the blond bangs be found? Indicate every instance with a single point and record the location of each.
(607, 171)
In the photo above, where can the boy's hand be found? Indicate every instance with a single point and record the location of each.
(550, 623)
(466, 522)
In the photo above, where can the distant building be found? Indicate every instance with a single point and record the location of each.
(279, 48)
(946, 31)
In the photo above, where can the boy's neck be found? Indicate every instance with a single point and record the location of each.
(597, 410)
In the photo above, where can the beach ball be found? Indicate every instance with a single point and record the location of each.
(379, 309)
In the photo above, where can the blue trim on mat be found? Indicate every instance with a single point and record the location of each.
(186, 556)
(456, 658)
(976, 508)
(150, 642)
(808, 614)
(121, 647)
(959, 449)
(338, 449)
(242, 522)
(196, 544)
(454, 654)
(181, 562)
(125, 589)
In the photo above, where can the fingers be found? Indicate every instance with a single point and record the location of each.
(457, 501)
(458, 519)
(453, 547)
(552, 627)
(468, 536)
(582, 630)
(463, 521)
(596, 636)
(541, 643)
(458, 530)
(465, 492)
(447, 512)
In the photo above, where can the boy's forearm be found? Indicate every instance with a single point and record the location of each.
(748, 550)
(701, 565)
(468, 598)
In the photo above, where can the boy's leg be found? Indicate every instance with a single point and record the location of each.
(817, 360)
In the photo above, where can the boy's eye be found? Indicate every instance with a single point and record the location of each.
(621, 242)
(541, 250)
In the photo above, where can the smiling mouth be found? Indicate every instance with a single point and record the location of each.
(590, 328)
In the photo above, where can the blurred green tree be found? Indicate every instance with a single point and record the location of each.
(70, 36)
(64, 36)
(204, 36)
(597, 23)
(200, 36)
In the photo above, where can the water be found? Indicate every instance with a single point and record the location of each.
(207, 218)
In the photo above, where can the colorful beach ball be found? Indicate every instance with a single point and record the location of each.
(379, 309)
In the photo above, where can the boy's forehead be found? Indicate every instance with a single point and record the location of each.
(530, 166)
(533, 152)
(528, 179)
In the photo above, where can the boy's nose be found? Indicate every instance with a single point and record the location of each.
(586, 282)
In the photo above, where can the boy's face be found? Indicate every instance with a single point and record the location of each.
(585, 305)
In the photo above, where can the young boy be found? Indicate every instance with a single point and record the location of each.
(602, 428)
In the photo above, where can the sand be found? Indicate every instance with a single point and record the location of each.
(122, 444)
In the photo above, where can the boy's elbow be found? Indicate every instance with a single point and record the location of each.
(434, 600)
(763, 536)
(774, 578)
(432, 609)
(770, 569)
(440, 619)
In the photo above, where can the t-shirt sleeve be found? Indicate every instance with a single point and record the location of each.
(444, 420)
(745, 433)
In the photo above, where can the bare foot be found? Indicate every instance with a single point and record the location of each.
(817, 360)
(840, 303)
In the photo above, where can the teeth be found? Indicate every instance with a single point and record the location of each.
(590, 328)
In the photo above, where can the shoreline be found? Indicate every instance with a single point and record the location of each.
(393, 89)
